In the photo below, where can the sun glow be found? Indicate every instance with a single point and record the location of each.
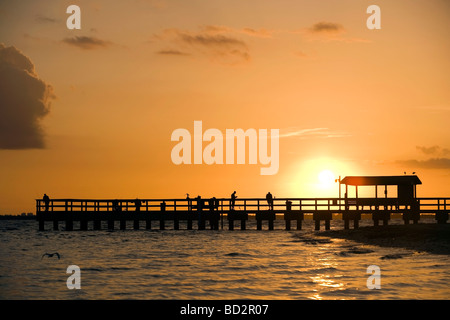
(326, 179)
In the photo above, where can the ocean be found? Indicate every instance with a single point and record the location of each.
(207, 264)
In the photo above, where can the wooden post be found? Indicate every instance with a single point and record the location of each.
(55, 225)
(258, 224)
(123, 224)
(84, 224)
(243, 224)
(41, 225)
(327, 224)
(111, 224)
(299, 224)
(176, 224)
(69, 225)
(346, 224)
(162, 224)
(97, 224)
(189, 224)
(355, 223)
(148, 224)
(271, 224)
(136, 224)
(288, 225)
(230, 224)
(317, 224)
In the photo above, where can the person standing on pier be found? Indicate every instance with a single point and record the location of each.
(233, 200)
(189, 202)
(269, 199)
(46, 201)
(138, 203)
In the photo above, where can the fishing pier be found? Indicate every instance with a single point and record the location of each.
(215, 213)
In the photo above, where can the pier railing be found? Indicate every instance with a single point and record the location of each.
(249, 205)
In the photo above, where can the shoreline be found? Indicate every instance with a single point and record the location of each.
(429, 237)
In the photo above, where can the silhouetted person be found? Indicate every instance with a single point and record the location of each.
(269, 199)
(138, 203)
(233, 200)
(163, 206)
(216, 203)
(189, 202)
(46, 201)
(212, 204)
(288, 205)
(116, 206)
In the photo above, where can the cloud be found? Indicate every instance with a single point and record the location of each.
(329, 31)
(87, 43)
(433, 150)
(219, 43)
(44, 19)
(24, 100)
(433, 163)
(326, 27)
(313, 133)
(172, 53)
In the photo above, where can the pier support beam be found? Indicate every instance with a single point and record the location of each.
(55, 225)
(136, 225)
(441, 217)
(258, 224)
(110, 224)
(83, 225)
(230, 224)
(162, 225)
(123, 224)
(148, 224)
(189, 224)
(176, 224)
(69, 225)
(97, 224)
(41, 225)
(243, 225)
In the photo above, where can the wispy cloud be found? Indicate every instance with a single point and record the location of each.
(87, 43)
(219, 43)
(326, 27)
(329, 31)
(45, 19)
(434, 150)
(172, 52)
(433, 163)
(312, 133)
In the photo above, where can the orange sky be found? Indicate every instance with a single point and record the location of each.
(345, 98)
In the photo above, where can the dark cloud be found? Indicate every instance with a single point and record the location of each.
(24, 101)
(172, 53)
(87, 43)
(326, 27)
(433, 150)
(212, 40)
(433, 163)
(216, 42)
(44, 19)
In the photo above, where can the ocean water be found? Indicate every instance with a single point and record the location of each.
(206, 264)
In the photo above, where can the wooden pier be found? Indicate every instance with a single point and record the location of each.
(208, 213)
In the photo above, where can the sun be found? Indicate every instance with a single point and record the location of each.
(326, 179)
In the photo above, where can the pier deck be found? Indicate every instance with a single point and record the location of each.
(213, 212)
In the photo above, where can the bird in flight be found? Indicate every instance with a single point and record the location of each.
(51, 255)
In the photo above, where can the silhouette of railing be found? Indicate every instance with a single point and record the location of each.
(320, 209)
(251, 205)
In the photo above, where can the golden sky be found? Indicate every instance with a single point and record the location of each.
(107, 97)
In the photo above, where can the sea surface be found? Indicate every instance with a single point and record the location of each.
(206, 264)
